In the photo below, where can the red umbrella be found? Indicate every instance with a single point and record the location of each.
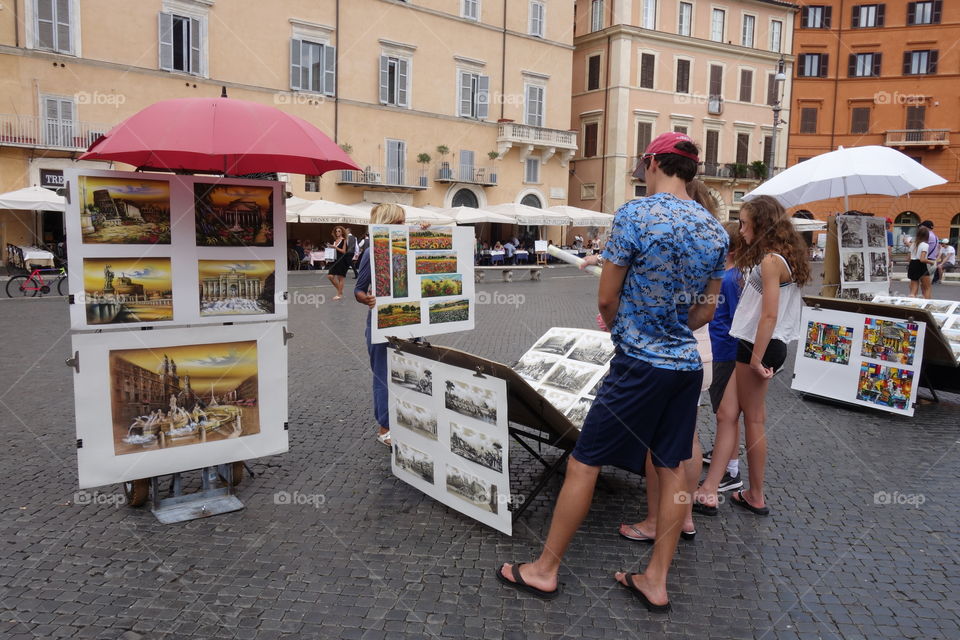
(219, 135)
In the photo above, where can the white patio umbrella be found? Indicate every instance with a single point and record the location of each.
(522, 214)
(470, 215)
(295, 205)
(415, 215)
(583, 217)
(871, 170)
(33, 199)
(802, 225)
(326, 212)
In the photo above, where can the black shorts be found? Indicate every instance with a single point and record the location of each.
(773, 357)
(916, 270)
(722, 372)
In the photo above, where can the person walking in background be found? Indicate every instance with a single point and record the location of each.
(918, 271)
(380, 214)
(774, 259)
(352, 251)
(948, 260)
(338, 270)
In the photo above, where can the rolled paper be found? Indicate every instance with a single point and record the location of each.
(569, 258)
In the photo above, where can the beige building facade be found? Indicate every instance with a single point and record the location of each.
(706, 68)
(482, 87)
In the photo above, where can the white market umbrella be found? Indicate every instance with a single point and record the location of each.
(532, 216)
(583, 217)
(871, 170)
(326, 212)
(470, 215)
(33, 199)
(801, 225)
(294, 205)
(414, 215)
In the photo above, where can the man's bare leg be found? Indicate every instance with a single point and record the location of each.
(691, 470)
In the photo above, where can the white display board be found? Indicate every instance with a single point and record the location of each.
(423, 280)
(864, 259)
(450, 437)
(150, 403)
(861, 359)
(154, 249)
(945, 312)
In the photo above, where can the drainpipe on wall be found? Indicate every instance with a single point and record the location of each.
(503, 59)
(606, 128)
(836, 79)
(336, 79)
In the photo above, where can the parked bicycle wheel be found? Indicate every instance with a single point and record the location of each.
(22, 287)
(62, 288)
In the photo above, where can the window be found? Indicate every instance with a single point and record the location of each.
(53, 25)
(772, 93)
(588, 191)
(531, 172)
(593, 73)
(649, 18)
(466, 166)
(181, 43)
(639, 191)
(394, 80)
(738, 196)
(768, 153)
(924, 12)
(860, 120)
(679, 128)
(749, 29)
(596, 15)
(867, 15)
(311, 184)
(474, 95)
(683, 76)
(808, 120)
(537, 18)
(59, 114)
(312, 67)
(743, 148)
(816, 17)
(470, 9)
(686, 19)
(776, 35)
(717, 19)
(812, 65)
(591, 132)
(920, 62)
(916, 117)
(711, 152)
(644, 136)
(396, 162)
(534, 105)
(465, 198)
(746, 85)
(716, 81)
(863, 65)
(647, 65)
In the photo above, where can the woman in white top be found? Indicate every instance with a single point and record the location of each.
(918, 271)
(767, 318)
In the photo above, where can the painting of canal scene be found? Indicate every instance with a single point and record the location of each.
(121, 290)
(183, 395)
(124, 210)
(232, 215)
(232, 287)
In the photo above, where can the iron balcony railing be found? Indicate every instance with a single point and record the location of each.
(393, 176)
(918, 137)
(49, 133)
(467, 173)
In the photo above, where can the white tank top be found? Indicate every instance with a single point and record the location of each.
(747, 316)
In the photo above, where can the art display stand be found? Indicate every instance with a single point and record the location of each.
(856, 261)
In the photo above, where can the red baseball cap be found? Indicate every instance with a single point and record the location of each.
(667, 143)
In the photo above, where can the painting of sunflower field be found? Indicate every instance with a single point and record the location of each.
(398, 260)
(381, 262)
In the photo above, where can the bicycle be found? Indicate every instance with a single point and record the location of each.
(30, 285)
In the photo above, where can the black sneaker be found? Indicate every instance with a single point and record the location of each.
(728, 482)
(707, 456)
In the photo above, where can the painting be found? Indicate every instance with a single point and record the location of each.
(434, 238)
(570, 376)
(411, 374)
(236, 287)
(889, 340)
(878, 267)
(413, 461)
(452, 311)
(534, 366)
(124, 210)
(472, 489)
(850, 232)
(578, 412)
(430, 263)
(230, 215)
(939, 306)
(417, 419)
(593, 349)
(183, 395)
(876, 233)
(398, 262)
(828, 342)
(440, 285)
(885, 386)
(471, 400)
(853, 270)
(398, 315)
(477, 447)
(121, 290)
(381, 262)
(560, 400)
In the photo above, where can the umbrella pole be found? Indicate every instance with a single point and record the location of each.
(846, 199)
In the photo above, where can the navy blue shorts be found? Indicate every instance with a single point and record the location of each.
(640, 408)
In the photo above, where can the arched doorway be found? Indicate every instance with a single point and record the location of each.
(465, 198)
(532, 200)
(955, 230)
(904, 225)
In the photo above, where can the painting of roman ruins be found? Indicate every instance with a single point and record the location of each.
(124, 210)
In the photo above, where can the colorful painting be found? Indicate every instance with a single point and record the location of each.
(427, 263)
(398, 315)
(885, 386)
(181, 396)
(124, 210)
(453, 311)
(828, 342)
(232, 287)
(889, 340)
(381, 261)
(436, 286)
(231, 215)
(435, 238)
(120, 290)
(398, 262)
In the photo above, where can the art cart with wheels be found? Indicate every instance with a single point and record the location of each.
(215, 496)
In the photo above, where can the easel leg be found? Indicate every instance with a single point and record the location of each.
(925, 381)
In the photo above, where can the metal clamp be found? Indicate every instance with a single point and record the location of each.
(74, 362)
(287, 336)
(479, 373)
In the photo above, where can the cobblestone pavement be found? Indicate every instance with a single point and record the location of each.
(355, 553)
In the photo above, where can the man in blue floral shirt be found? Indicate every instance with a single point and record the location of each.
(663, 267)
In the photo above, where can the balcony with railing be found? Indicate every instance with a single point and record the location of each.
(49, 133)
(392, 177)
(914, 138)
(466, 173)
(528, 138)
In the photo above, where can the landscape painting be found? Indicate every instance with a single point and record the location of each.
(453, 311)
(398, 315)
(121, 290)
(411, 373)
(434, 238)
(398, 262)
(443, 285)
(381, 261)
(416, 418)
(471, 400)
(428, 263)
(231, 287)
(472, 489)
(233, 215)
(183, 395)
(124, 210)
(413, 461)
(477, 447)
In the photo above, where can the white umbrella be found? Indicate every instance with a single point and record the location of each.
(414, 215)
(324, 211)
(295, 205)
(583, 217)
(522, 214)
(470, 215)
(801, 225)
(871, 170)
(33, 199)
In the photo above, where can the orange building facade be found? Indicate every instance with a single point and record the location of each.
(882, 73)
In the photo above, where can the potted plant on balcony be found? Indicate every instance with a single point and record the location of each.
(493, 155)
(739, 170)
(424, 159)
(346, 148)
(759, 168)
(445, 172)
